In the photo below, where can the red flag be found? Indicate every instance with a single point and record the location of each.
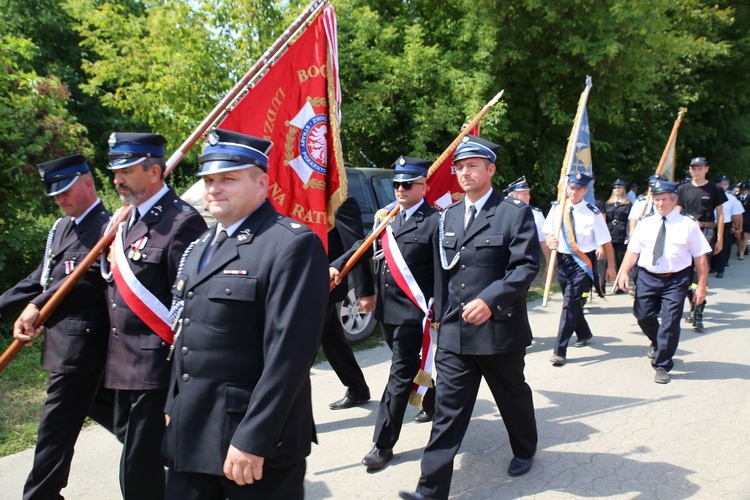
(296, 106)
(444, 188)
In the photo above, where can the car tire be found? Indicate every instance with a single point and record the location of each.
(356, 324)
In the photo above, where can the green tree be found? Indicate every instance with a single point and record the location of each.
(35, 126)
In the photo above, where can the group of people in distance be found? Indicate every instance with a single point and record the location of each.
(193, 346)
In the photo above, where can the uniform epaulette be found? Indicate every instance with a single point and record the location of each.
(513, 201)
(291, 224)
(536, 208)
(593, 208)
(640, 197)
(553, 203)
(454, 204)
(182, 205)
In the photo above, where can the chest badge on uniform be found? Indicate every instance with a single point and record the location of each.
(180, 285)
(135, 248)
(295, 225)
(235, 272)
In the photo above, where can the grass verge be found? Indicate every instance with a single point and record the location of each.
(23, 386)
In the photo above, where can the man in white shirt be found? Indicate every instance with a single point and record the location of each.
(583, 230)
(664, 248)
(733, 211)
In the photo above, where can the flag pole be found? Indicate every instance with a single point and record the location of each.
(562, 184)
(659, 169)
(435, 165)
(254, 72)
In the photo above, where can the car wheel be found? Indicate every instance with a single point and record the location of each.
(357, 325)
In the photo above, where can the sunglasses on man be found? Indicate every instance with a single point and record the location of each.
(407, 185)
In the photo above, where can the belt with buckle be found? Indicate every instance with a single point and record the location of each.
(707, 224)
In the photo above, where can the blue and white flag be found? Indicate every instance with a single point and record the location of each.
(582, 155)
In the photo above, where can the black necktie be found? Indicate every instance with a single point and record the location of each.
(133, 219)
(69, 230)
(399, 221)
(211, 251)
(472, 215)
(659, 245)
(573, 224)
(219, 240)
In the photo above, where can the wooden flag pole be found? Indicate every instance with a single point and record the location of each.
(563, 183)
(435, 165)
(659, 168)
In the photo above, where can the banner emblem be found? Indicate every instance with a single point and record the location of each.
(313, 146)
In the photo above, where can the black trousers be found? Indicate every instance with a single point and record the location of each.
(665, 296)
(139, 424)
(71, 397)
(341, 356)
(405, 342)
(282, 483)
(573, 282)
(457, 388)
(720, 261)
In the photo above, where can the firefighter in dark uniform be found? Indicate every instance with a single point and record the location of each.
(347, 231)
(74, 348)
(254, 291)
(488, 255)
(413, 230)
(617, 209)
(664, 247)
(586, 230)
(142, 266)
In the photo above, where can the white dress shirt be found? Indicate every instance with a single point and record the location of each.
(684, 240)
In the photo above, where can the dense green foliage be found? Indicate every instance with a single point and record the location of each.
(412, 72)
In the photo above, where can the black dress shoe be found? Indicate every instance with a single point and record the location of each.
(720, 274)
(413, 496)
(423, 417)
(519, 466)
(651, 353)
(347, 402)
(583, 342)
(377, 458)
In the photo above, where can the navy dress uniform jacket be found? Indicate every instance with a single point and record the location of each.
(498, 261)
(415, 239)
(137, 358)
(252, 325)
(76, 335)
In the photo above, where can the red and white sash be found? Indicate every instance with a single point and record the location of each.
(408, 284)
(141, 301)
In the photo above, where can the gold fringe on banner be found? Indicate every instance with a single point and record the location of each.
(339, 196)
(415, 399)
(423, 378)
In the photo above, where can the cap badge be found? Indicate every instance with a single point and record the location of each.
(213, 139)
(112, 140)
(401, 161)
(578, 175)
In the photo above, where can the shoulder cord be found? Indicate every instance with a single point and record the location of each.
(443, 257)
(175, 311)
(46, 266)
(105, 268)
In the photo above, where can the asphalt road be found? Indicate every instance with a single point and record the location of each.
(606, 430)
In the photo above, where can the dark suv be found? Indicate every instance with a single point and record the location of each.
(373, 189)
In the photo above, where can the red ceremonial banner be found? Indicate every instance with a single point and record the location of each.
(296, 106)
(444, 187)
